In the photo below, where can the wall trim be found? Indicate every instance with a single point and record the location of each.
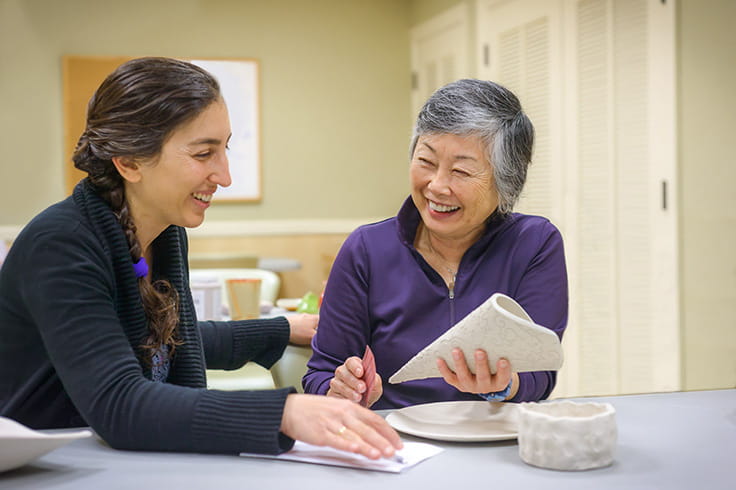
(252, 228)
(278, 227)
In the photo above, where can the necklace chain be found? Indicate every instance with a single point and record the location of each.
(453, 272)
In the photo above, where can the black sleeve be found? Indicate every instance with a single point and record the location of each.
(229, 345)
(70, 293)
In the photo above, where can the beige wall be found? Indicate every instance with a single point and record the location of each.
(334, 93)
(335, 98)
(423, 10)
(707, 122)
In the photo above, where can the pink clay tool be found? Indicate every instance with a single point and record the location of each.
(369, 374)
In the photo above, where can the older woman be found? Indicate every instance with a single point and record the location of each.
(97, 322)
(398, 284)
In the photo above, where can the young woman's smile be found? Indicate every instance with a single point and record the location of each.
(177, 187)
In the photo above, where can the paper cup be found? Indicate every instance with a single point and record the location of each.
(244, 297)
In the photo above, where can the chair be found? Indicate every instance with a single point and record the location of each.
(289, 370)
(251, 376)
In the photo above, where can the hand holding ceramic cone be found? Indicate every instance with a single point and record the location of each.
(502, 328)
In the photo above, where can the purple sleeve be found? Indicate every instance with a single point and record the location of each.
(542, 292)
(344, 325)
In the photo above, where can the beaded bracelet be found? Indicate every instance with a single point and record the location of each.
(497, 396)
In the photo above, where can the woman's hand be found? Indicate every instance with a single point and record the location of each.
(348, 382)
(303, 326)
(340, 424)
(482, 381)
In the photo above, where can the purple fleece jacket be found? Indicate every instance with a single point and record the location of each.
(381, 292)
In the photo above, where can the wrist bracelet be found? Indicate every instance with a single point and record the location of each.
(497, 396)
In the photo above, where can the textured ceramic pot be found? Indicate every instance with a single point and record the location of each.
(567, 435)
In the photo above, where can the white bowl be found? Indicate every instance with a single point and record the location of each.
(20, 445)
(567, 435)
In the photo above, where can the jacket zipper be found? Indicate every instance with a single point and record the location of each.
(451, 291)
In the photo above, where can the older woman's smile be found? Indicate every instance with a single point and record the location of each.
(441, 208)
(452, 186)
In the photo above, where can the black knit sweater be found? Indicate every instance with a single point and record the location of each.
(71, 321)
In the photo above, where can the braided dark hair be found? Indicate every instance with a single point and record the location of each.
(131, 115)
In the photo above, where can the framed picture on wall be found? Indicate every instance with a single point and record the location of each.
(239, 85)
(238, 80)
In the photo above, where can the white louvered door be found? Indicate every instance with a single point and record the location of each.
(439, 54)
(519, 49)
(595, 76)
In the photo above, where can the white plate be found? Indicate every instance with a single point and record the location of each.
(458, 421)
(289, 304)
(20, 445)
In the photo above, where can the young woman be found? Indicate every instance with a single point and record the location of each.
(96, 317)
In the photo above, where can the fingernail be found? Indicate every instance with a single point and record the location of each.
(479, 355)
(456, 354)
(503, 363)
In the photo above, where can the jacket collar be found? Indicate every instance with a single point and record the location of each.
(170, 262)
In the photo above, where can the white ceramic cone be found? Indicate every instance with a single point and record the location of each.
(503, 329)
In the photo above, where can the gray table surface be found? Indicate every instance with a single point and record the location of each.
(669, 441)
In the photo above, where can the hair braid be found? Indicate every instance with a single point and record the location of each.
(130, 115)
(160, 299)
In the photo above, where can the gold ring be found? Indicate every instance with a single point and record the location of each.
(341, 430)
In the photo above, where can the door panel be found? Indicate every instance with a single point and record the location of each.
(585, 73)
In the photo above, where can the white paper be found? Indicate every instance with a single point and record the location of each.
(410, 455)
(502, 328)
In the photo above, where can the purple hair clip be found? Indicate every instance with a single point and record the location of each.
(141, 267)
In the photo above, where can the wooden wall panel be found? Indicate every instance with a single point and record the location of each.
(81, 75)
(315, 252)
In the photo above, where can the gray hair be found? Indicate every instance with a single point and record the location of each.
(493, 113)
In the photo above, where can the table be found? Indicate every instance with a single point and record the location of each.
(666, 441)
